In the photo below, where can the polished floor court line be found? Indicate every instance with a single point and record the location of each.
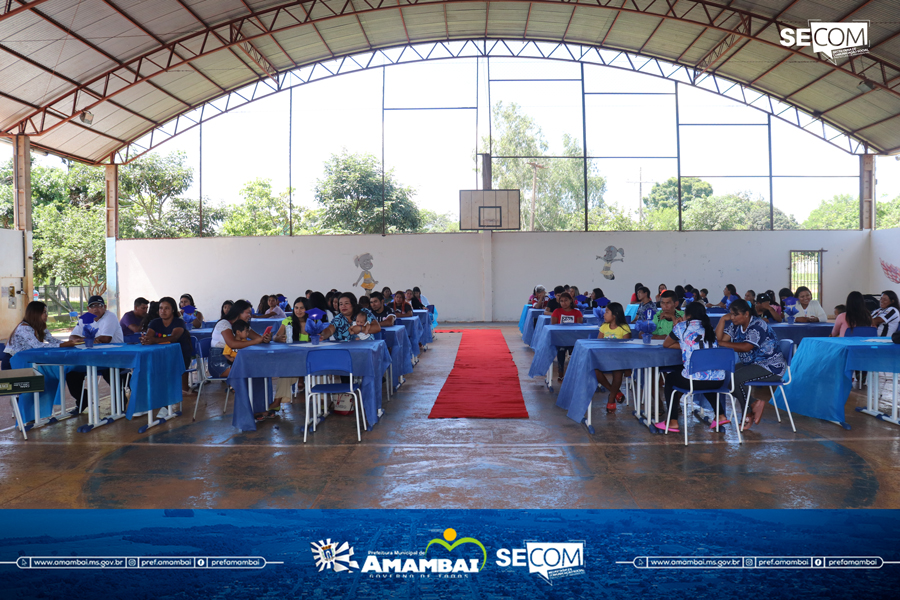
(410, 461)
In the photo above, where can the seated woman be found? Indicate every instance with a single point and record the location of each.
(539, 299)
(574, 292)
(614, 327)
(766, 310)
(659, 292)
(750, 296)
(855, 315)
(188, 300)
(223, 335)
(31, 333)
(344, 326)
(334, 309)
(274, 311)
(565, 314)
(596, 294)
(413, 301)
(887, 317)
(808, 310)
(152, 315)
(226, 306)
(317, 300)
(730, 296)
(400, 307)
(634, 298)
(694, 333)
(757, 346)
(170, 328)
(263, 305)
(298, 334)
(418, 294)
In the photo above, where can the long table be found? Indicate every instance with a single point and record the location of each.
(580, 383)
(552, 337)
(397, 341)
(522, 316)
(414, 331)
(822, 372)
(797, 332)
(530, 318)
(155, 378)
(425, 320)
(544, 320)
(257, 364)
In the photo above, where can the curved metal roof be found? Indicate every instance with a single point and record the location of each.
(137, 65)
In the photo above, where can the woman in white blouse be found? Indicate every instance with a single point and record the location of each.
(32, 331)
(808, 310)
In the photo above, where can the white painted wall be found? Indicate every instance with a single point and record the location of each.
(885, 246)
(488, 276)
(447, 267)
(11, 273)
(757, 260)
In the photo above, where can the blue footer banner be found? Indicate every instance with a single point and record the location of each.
(435, 554)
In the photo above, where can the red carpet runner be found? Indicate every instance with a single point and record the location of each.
(484, 382)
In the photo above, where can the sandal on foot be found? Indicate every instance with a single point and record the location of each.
(260, 418)
(715, 424)
(559, 379)
(620, 397)
(662, 427)
(610, 407)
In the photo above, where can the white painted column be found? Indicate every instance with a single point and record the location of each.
(487, 275)
(112, 232)
(22, 214)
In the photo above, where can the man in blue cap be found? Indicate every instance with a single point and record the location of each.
(108, 331)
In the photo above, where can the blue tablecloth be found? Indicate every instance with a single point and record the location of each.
(263, 361)
(202, 333)
(544, 320)
(401, 353)
(425, 319)
(414, 331)
(522, 317)
(530, 318)
(798, 331)
(259, 325)
(822, 371)
(580, 382)
(155, 378)
(550, 338)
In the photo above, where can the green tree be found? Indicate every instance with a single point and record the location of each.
(264, 213)
(432, 222)
(841, 212)
(350, 194)
(665, 195)
(887, 214)
(69, 245)
(733, 212)
(146, 187)
(560, 185)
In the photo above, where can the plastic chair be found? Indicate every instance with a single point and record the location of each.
(329, 362)
(203, 347)
(861, 332)
(710, 359)
(787, 348)
(197, 361)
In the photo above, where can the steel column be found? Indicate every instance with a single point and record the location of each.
(112, 233)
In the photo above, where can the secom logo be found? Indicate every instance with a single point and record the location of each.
(834, 40)
(549, 560)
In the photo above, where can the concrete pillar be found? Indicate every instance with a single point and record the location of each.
(112, 232)
(487, 275)
(486, 174)
(22, 213)
(867, 191)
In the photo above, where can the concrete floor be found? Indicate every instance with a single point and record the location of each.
(409, 461)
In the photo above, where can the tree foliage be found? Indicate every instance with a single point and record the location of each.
(262, 213)
(887, 214)
(433, 222)
(559, 198)
(841, 212)
(69, 245)
(733, 212)
(350, 194)
(665, 195)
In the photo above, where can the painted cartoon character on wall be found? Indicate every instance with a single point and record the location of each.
(609, 257)
(364, 262)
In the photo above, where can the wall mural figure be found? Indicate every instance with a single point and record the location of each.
(364, 262)
(890, 271)
(609, 258)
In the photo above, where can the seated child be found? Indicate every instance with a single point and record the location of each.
(241, 331)
(360, 319)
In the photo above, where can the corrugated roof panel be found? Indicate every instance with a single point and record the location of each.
(631, 31)
(21, 80)
(426, 23)
(11, 112)
(343, 35)
(384, 28)
(217, 11)
(549, 22)
(466, 19)
(671, 39)
(751, 61)
(590, 26)
(507, 20)
(165, 19)
(303, 44)
(225, 68)
(149, 101)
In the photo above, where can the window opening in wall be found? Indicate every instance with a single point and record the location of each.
(806, 270)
